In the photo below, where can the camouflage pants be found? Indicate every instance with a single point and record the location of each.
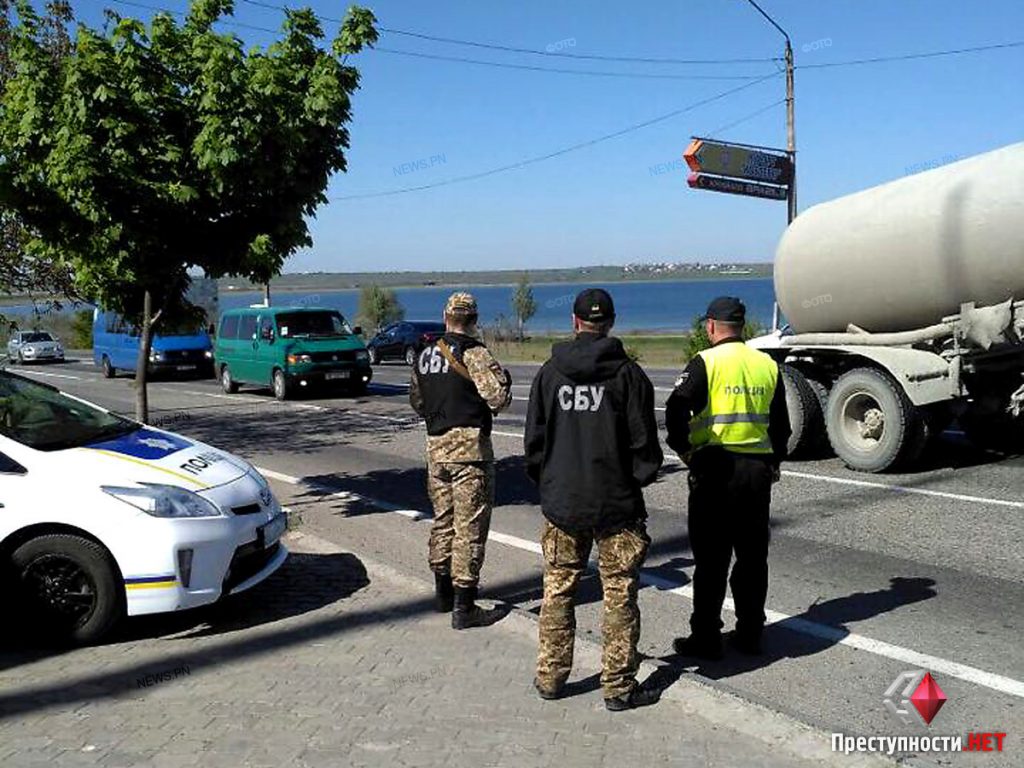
(619, 556)
(462, 495)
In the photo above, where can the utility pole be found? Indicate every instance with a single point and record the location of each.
(790, 135)
(790, 113)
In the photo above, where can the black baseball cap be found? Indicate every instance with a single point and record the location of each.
(728, 309)
(594, 305)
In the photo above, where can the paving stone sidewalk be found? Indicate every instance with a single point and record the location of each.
(335, 662)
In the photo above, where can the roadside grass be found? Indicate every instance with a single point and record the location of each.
(649, 349)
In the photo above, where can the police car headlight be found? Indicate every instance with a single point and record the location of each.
(362, 355)
(164, 501)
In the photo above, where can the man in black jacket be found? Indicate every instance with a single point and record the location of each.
(591, 446)
(728, 421)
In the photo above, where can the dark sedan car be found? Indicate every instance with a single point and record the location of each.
(402, 341)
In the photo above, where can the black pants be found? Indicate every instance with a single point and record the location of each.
(729, 499)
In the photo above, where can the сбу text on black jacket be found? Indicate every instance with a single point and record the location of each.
(591, 436)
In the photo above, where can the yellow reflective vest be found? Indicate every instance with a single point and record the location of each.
(741, 385)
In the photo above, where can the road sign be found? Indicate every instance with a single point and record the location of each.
(738, 161)
(736, 186)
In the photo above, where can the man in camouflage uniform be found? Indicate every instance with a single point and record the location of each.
(591, 446)
(457, 386)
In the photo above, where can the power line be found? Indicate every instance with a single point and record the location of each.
(908, 56)
(531, 51)
(597, 73)
(722, 128)
(559, 152)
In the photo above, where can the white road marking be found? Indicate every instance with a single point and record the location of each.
(49, 375)
(955, 669)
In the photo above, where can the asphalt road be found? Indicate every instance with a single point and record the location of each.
(870, 575)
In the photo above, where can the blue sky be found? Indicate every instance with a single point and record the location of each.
(420, 121)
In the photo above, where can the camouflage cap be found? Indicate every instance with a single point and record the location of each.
(460, 303)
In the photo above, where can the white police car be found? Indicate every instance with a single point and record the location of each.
(102, 517)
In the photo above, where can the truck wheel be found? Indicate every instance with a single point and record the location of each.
(872, 425)
(227, 383)
(281, 389)
(806, 419)
(69, 586)
(108, 370)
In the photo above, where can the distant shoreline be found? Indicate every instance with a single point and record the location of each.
(301, 288)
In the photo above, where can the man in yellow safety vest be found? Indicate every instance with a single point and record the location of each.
(727, 419)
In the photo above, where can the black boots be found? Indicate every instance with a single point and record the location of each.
(708, 648)
(444, 592)
(640, 696)
(468, 614)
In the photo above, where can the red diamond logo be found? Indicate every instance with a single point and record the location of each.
(928, 698)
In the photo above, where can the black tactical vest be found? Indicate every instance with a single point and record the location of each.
(449, 398)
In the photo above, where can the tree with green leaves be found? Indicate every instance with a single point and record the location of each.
(378, 307)
(524, 306)
(22, 273)
(152, 150)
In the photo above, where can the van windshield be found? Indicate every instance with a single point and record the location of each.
(322, 325)
(43, 418)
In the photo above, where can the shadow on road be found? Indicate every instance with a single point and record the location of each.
(820, 627)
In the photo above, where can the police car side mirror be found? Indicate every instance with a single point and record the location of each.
(358, 330)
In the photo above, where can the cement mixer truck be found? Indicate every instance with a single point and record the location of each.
(904, 309)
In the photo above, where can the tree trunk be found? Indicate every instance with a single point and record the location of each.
(142, 362)
(519, 320)
(266, 293)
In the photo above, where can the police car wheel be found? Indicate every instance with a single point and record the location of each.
(281, 389)
(69, 586)
(227, 383)
(374, 356)
(410, 356)
(108, 370)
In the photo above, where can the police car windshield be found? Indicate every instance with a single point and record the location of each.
(43, 418)
(312, 324)
(29, 338)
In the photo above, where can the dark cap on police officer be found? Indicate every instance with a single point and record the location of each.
(727, 309)
(594, 305)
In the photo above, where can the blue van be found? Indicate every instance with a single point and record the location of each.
(115, 346)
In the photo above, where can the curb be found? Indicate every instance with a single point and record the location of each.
(774, 729)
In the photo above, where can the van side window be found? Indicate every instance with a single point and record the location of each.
(246, 326)
(229, 327)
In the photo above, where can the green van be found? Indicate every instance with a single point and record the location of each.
(291, 349)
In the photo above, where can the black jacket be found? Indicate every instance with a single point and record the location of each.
(591, 436)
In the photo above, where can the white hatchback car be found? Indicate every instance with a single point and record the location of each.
(102, 517)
